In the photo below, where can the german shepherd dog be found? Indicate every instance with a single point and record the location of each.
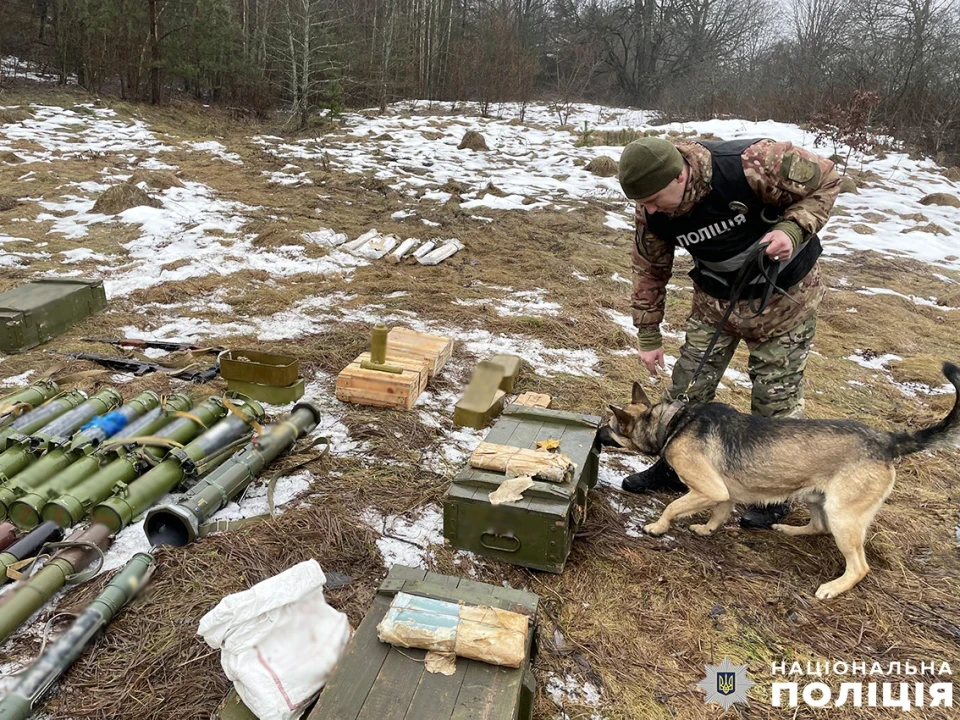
(842, 469)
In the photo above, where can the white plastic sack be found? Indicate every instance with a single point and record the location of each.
(279, 640)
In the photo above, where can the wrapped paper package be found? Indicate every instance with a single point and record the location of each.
(490, 635)
(538, 464)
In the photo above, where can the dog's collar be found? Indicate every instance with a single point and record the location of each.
(666, 428)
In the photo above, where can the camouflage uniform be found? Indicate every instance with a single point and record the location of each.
(779, 340)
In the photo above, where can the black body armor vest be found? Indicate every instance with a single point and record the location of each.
(721, 229)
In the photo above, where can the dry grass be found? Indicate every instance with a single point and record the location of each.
(157, 179)
(848, 185)
(603, 166)
(472, 140)
(638, 617)
(941, 199)
(123, 197)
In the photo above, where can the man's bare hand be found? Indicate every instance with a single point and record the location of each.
(653, 359)
(779, 245)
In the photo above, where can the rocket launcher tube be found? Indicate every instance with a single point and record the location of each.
(28, 546)
(35, 419)
(180, 524)
(8, 535)
(67, 424)
(31, 397)
(19, 701)
(118, 511)
(70, 507)
(158, 418)
(51, 434)
(104, 426)
(35, 592)
(16, 437)
(26, 511)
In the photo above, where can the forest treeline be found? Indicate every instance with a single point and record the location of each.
(890, 65)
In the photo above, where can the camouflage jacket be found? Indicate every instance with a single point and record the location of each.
(765, 164)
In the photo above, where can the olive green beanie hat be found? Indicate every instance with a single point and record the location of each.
(647, 166)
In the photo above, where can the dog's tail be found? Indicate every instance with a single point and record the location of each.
(945, 433)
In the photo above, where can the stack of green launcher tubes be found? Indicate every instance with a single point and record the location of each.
(14, 404)
(72, 467)
(64, 457)
(81, 548)
(23, 450)
(28, 547)
(20, 700)
(180, 524)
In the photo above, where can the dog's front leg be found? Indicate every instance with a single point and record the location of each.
(692, 502)
(720, 515)
(707, 488)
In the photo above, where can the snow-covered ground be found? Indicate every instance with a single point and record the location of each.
(538, 165)
(15, 68)
(197, 232)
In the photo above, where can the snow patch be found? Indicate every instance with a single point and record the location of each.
(564, 691)
(406, 540)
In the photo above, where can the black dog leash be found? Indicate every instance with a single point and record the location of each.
(770, 271)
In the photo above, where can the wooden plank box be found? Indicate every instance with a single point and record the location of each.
(383, 389)
(436, 350)
(532, 399)
(536, 532)
(376, 681)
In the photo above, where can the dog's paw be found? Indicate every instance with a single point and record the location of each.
(657, 528)
(702, 529)
(830, 590)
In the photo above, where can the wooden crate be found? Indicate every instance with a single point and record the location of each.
(376, 681)
(532, 399)
(434, 349)
(382, 389)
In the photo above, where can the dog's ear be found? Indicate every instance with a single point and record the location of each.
(639, 396)
(623, 417)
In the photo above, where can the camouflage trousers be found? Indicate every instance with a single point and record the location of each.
(776, 366)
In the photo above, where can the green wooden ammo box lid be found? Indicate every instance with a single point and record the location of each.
(522, 427)
(43, 309)
(376, 681)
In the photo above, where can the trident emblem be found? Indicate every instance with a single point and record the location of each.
(726, 683)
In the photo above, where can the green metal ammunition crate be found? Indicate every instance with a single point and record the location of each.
(253, 366)
(43, 309)
(537, 531)
(269, 394)
(376, 681)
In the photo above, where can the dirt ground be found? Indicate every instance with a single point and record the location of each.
(636, 617)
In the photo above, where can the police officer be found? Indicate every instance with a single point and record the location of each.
(718, 201)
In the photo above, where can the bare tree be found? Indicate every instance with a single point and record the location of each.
(307, 50)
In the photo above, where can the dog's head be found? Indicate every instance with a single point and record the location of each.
(632, 427)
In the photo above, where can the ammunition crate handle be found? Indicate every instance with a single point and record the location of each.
(500, 548)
